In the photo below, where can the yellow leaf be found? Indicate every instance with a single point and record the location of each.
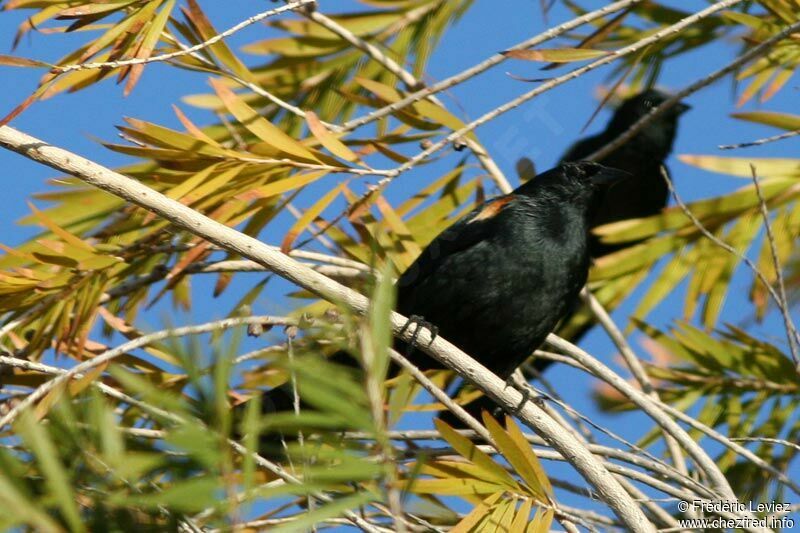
(492, 471)
(309, 216)
(11, 61)
(557, 55)
(454, 486)
(521, 518)
(329, 140)
(477, 514)
(541, 522)
(259, 126)
(770, 118)
(79, 385)
(400, 232)
(519, 454)
(281, 186)
(68, 237)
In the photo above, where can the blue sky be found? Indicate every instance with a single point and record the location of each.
(541, 129)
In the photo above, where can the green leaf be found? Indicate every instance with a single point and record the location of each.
(330, 510)
(381, 306)
(191, 496)
(55, 475)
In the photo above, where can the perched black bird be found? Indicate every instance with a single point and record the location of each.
(497, 281)
(642, 156)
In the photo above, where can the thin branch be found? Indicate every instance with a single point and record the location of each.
(770, 440)
(441, 395)
(759, 142)
(583, 428)
(791, 329)
(292, 6)
(635, 367)
(250, 266)
(683, 417)
(739, 449)
(776, 262)
(200, 225)
(124, 348)
(657, 467)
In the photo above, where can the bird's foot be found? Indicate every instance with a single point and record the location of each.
(526, 396)
(418, 322)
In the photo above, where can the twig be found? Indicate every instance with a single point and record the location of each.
(441, 395)
(791, 330)
(291, 6)
(680, 415)
(782, 442)
(234, 265)
(759, 142)
(584, 429)
(313, 166)
(739, 449)
(635, 367)
(122, 349)
(776, 262)
(657, 467)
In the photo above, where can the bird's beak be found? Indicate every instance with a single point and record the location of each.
(608, 175)
(681, 108)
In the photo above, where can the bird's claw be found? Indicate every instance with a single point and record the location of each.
(419, 323)
(526, 396)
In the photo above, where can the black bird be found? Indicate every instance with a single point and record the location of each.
(499, 280)
(642, 156)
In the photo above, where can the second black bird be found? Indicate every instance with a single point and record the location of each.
(642, 156)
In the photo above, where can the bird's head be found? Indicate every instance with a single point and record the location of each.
(657, 135)
(576, 182)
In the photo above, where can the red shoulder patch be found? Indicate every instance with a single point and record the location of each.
(491, 209)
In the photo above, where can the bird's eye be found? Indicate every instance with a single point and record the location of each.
(649, 103)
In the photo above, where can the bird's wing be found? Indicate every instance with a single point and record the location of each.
(462, 235)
